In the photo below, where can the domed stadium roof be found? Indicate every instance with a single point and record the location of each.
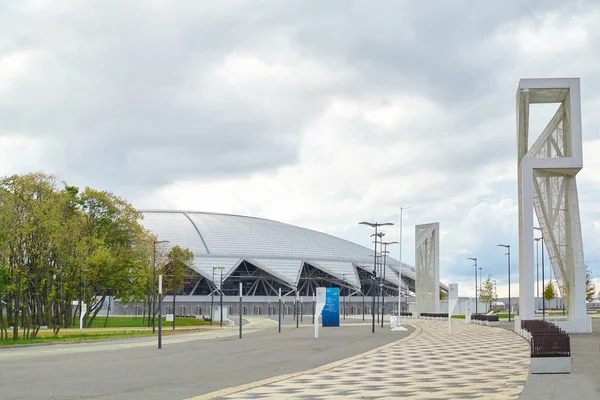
(224, 240)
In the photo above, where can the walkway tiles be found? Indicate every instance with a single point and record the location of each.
(474, 362)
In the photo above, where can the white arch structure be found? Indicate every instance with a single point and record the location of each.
(427, 268)
(547, 185)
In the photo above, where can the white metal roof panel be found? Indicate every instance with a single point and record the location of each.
(255, 237)
(341, 270)
(176, 228)
(205, 265)
(284, 269)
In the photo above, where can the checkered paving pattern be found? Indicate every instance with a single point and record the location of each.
(474, 362)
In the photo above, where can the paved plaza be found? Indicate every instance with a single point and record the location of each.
(345, 362)
(474, 362)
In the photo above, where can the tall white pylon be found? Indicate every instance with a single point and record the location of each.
(547, 185)
(427, 268)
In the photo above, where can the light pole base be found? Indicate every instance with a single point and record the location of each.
(399, 329)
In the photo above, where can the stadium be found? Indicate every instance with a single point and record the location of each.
(266, 256)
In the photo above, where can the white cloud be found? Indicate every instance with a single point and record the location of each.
(17, 68)
(306, 114)
(20, 154)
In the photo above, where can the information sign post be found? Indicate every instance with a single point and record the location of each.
(331, 311)
(452, 300)
(321, 299)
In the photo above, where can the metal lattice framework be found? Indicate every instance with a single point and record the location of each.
(427, 268)
(547, 180)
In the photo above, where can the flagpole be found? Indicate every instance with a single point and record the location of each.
(400, 268)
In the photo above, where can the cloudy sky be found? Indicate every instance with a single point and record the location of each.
(320, 114)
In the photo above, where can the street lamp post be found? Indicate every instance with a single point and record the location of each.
(296, 308)
(221, 300)
(279, 313)
(374, 225)
(212, 295)
(379, 235)
(507, 246)
(314, 307)
(400, 259)
(160, 311)
(154, 279)
(344, 302)
(475, 259)
(385, 253)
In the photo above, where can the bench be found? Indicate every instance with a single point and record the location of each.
(550, 347)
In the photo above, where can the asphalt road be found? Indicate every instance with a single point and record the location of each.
(125, 370)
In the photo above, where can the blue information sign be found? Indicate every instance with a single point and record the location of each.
(331, 311)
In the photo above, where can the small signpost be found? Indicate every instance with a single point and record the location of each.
(82, 314)
(452, 300)
(321, 299)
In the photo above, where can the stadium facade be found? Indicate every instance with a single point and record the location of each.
(265, 256)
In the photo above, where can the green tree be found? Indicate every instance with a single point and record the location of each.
(549, 291)
(486, 293)
(113, 237)
(443, 295)
(30, 218)
(177, 271)
(590, 289)
(60, 245)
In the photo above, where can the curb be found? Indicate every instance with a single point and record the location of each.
(326, 367)
(92, 341)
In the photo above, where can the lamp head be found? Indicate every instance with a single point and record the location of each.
(504, 245)
(374, 224)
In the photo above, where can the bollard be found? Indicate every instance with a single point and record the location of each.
(296, 309)
(279, 310)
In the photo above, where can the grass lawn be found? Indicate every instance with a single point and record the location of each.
(499, 316)
(48, 337)
(119, 325)
(138, 322)
(506, 315)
